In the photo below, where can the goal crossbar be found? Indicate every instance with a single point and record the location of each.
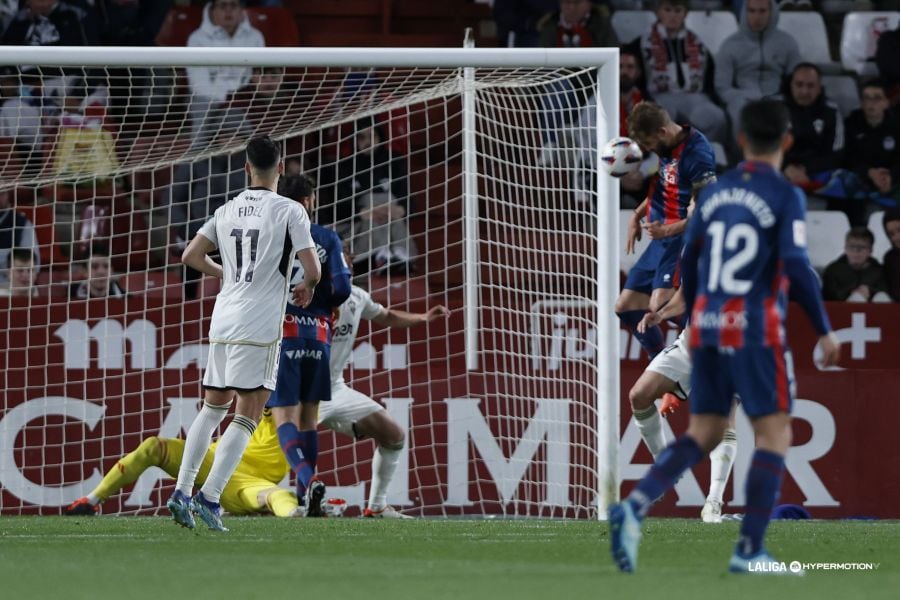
(86, 56)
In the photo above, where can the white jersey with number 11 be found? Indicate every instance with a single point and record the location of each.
(258, 233)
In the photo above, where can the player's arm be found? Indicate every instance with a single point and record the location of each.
(634, 226)
(339, 271)
(673, 308)
(312, 273)
(804, 285)
(391, 317)
(196, 256)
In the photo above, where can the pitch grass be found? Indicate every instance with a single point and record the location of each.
(133, 558)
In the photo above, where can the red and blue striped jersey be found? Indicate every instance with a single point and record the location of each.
(314, 322)
(689, 165)
(744, 227)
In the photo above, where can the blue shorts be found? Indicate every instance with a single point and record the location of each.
(762, 377)
(658, 266)
(304, 374)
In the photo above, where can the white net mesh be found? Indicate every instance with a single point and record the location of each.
(126, 163)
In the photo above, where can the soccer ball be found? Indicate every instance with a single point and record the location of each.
(621, 156)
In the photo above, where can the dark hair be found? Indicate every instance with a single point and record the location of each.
(19, 254)
(861, 232)
(296, 187)
(764, 124)
(263, 153)
(891, 214)
(876, 82)
(806, 65)
(683, 3)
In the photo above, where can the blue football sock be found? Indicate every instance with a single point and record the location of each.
(679, 456)
(309, 443)
(652, 340)
(295, 445)
(763, 485)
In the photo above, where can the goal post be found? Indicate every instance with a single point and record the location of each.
(487, 160)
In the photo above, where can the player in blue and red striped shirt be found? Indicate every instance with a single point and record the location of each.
(745, 243)
(304, 375)
(686, 164)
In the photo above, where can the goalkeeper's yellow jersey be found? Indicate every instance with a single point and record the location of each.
(263, 457)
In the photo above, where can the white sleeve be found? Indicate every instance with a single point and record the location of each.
(370, 308)
(301, 237)
(208, 230)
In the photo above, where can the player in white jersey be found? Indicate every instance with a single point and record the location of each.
(357, 415)
(670, 373)
(258, 233)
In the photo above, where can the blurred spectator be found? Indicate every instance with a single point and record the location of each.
(16, 231)
(887, 59)
(225, 24)
(22, 274)
(817, 128)
(372, 204)
(856, 276)
(679, 71)
(8, 10)
(577, 24)
(51, 23)
(871, 158)
(131, 22)
(892, 257)
(517, 21)
(752, 62)
(100, 282)
(20, 115)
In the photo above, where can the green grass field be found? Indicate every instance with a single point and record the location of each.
(266, 558)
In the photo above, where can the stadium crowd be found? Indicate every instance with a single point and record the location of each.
(845, 156)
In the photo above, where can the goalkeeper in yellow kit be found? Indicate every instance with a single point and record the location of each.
(253, 488)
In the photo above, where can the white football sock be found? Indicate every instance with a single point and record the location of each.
(93, 498)
(722, 459)
(384, 463)
(197, 443)
(228, 454)
(649, 424)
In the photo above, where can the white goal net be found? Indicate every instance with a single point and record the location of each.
(464, 178)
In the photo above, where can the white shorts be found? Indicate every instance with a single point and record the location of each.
(346, 408)
(242, 366)
(674, 363)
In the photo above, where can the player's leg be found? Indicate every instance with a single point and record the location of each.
(216, 402)
(309, 487)
(709, 418)
(634, 299)
(390, 439)
(722, 460)
(248, 411)
(248, 494)
(251, 373)
(765, 384)
(642, 396)
(152, 452)
(668, 373)
(358, 416)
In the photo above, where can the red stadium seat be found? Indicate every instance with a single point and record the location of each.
(179, 24)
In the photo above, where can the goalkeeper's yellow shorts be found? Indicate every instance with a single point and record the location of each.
(241, 495)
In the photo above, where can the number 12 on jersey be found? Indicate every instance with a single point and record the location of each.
(722, 272)
(238, 235)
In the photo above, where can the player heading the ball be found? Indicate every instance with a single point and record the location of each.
(745, 241)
